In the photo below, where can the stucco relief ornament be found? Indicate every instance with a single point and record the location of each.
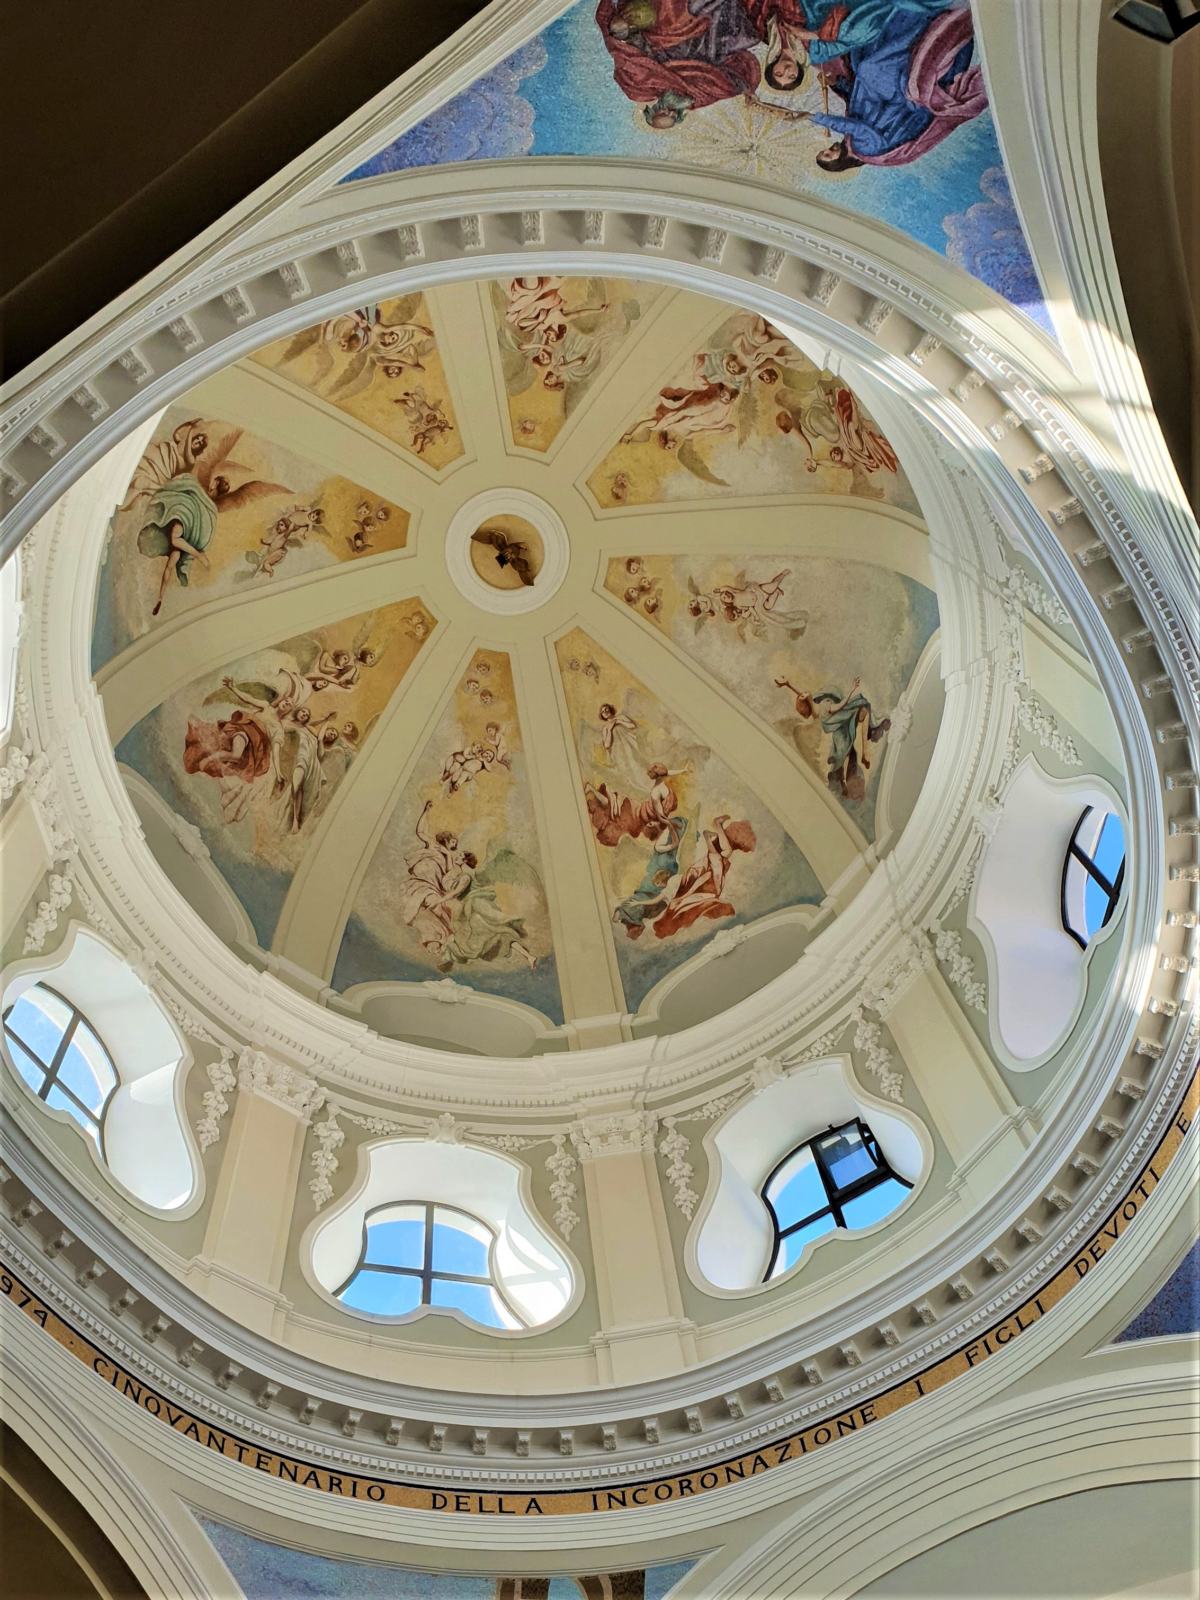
(274, 1080)
(14, 771)
(328, 1137)
(617, 1133)
(765, 1071)
(878, 1058)
(675, 1148)
(562, 1166)
(45, 918)
(447, 991)
(445, 1130)
(215, 1101)
(959, 968)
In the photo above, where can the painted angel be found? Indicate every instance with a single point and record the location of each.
(683, 414)
(375, 345)
(480, 930)
(754, 606)
(851, 725)
(185, 482)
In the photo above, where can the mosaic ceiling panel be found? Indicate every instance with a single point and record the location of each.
(879, 106)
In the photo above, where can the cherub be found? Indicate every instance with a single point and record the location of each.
(341, 669)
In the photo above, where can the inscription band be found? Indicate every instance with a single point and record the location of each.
(655, 1491)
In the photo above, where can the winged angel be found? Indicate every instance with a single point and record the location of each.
(450, 899)
(186, 481)
(268, 747)
(375, 346)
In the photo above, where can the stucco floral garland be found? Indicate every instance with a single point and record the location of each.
(959, 968)
(215, 1102)
(329, 1137)
(675, 1148)
(60, 893)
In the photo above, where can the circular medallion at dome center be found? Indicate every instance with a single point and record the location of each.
(507, 550)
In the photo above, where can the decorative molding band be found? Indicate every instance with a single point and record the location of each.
(906, 1383)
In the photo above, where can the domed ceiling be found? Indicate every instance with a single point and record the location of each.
(530, 635)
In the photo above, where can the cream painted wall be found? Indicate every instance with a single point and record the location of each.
(1100, 1544)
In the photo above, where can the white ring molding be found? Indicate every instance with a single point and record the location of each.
(555, 542)
(1118, 547)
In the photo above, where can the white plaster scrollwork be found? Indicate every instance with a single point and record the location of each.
(102, 925)
(901, 718)
(328, 1138)
(43, 790)
(726, 940)
(881, 992)
(675, 1149)
(959, 968)
(878, 1058)
(765, 1071)
(617, 1133)
(824, 1045)
(446, 991)
(718, 1105)
(1037, 719)
(274, 1080)
(561, 1165)
(13, 772)
(215, 1102)
(446, 1130)
(45, 918)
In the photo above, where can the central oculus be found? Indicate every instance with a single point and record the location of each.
(507, 550)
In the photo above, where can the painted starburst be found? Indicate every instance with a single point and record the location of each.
(747, 139)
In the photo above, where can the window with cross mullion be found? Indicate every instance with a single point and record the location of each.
(61, 1057)
(1093, 874)
(420, 1253)
(839, 1179)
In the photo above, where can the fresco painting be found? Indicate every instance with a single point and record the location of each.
(553, 335)
(748, 414)
(785, 635)
(251, 753)
(455, 886)
(212, 510)
(379, 364)
(683, 847)
(879, 106)
(265, 1570)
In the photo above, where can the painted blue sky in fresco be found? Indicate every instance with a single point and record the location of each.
(556, 96)
(268, 1571)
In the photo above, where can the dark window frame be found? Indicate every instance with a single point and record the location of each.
(836, 1195)
(427, 1273)
(50, 1070)
(1076, 852)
